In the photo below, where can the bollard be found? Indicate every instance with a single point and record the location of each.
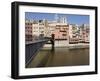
(53, 41)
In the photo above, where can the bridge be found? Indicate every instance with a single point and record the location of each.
(33, 47)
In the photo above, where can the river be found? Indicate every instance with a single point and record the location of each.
(61, 56)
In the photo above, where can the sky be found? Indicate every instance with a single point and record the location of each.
(71, 18)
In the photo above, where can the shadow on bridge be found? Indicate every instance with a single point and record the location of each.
(33, 47)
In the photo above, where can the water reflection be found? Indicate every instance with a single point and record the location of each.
(60, 57)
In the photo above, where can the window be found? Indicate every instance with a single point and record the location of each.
(64, 34)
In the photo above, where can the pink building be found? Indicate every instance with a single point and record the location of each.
(84, 34)
(61, 32)
(28, 30)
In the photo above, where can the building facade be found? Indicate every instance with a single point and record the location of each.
(28, 30)
(35, 29)
(73, 33)
(84, 33)
(38, 29)
(61, 31)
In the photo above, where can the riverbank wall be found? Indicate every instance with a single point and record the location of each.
(66, 44)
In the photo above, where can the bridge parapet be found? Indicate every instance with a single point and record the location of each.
(33, 47)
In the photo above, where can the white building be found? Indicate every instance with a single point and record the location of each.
(38, 29)
(73, 33)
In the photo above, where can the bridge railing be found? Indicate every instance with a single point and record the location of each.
(33, 47)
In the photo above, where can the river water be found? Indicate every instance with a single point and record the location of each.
(61, 56)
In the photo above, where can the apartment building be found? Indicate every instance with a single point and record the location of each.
(47, 28)
(73, 33)
(28, 30)
(61, 31)
(84, 33)
(38, 28)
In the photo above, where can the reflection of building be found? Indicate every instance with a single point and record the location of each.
(28, 30)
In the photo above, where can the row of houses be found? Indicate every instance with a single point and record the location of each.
(79, 33)
(61, 30)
